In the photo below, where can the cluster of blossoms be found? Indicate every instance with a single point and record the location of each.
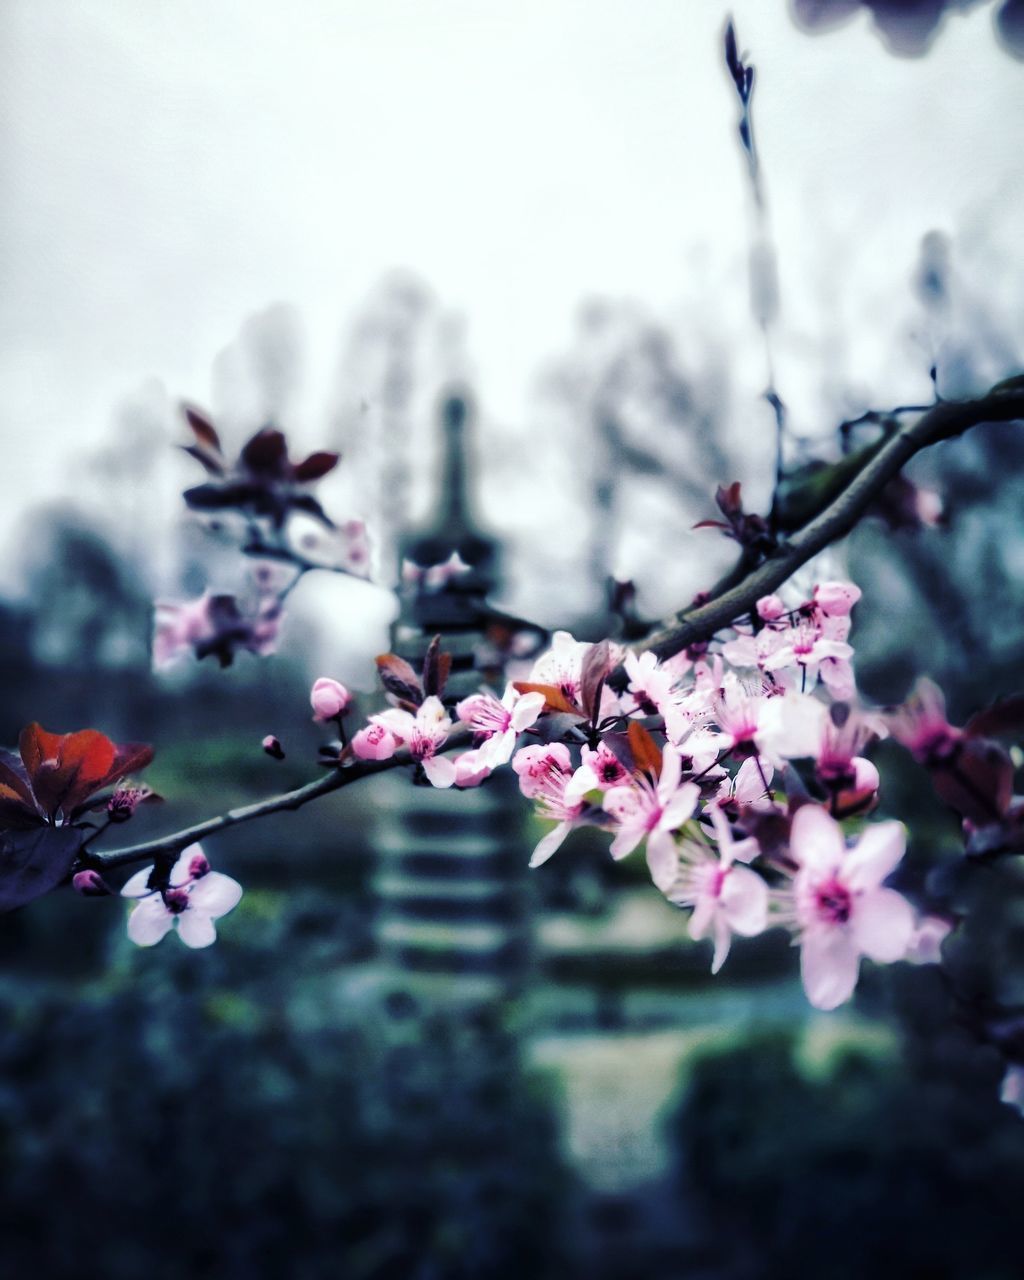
(736, 771)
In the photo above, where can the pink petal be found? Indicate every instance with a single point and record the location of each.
(662, 859)
(180, 871)
(829, 961)
(816, 839)
(703, 914)
(750, 785)
(550, 843)
(214, 895)
(137, 886)
(440, 770)
(196, 929)
(680, 807)
(629, 836)
(149, 922)
(723, 940)
(876, 855)
(671, 769)
(744, 900)
(883, 925)
(526, 711)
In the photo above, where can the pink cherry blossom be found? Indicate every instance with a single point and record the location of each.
(726, 899)
(770, 608)
(600, 771)
(194, 898)
(655, 811)
(842, 911)
(806, 648)
(329, 699)
(500, 723)
(424, 733)
(544, 775)
(374, 742)
(836, 599)
(750, 789)
(921, 724)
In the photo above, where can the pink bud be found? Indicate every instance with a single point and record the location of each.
(90, 884)
(272, 746)
(770, 608)
(329, 698)
(836, 599)
(374, 743)
(198, 866)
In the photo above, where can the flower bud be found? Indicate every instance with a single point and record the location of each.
(374, 743)
(770, 608)
(272, 746)
(90, 884)
(836, 599)
(329, 698)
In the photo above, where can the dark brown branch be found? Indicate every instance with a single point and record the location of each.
(942, 422)
(167, 846)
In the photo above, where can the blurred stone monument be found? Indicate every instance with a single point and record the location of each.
(453, 923)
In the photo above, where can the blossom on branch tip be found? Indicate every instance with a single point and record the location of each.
(841, 909)
(192, 899)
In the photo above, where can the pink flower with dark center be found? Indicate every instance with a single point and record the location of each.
(806, 648)
(424, 733)
(544, 775)
(498, 724)
(921, 725)
(193, 899)
(654, 811)
(600, 771)
(725, 898)
(841, 909)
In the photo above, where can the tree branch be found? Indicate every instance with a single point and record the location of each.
(941, 422)
(343, 776)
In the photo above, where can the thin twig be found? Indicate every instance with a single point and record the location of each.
(343, 776)
(941, 422)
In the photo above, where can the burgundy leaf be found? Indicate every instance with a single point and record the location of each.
(399, 679)
(212, 463)
(34, 862)
(977, 781)
(1004, 716)
(597, 662)
(266, 454)
(204, 430)
(316, 465)
(436, 668)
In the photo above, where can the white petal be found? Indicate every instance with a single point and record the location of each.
(750, 784)
(550, 843)
(816, 839)
(582, 781)
(744, 900)
(179, 872)
(440, 770)
(883, 925)
(662, 859)
(680, 807)
(526, 710)
(215, 894)
(723, 940)
(703, 914)
(629, 836)
(829, 961)
(137, 886)
(196, 928)
(149, 922)
(671, 769)
(876, 855)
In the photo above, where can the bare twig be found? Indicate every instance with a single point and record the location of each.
(345, 775)
(941, 422)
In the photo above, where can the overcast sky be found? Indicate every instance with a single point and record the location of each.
(172, 166)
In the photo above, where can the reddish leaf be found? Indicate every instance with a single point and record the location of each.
(316, 466)
(34, 862)
(266, 453)
(204, 430)
(977, 781)
(213, 464)
(65, 768)
(597, 663)
(1004, 716)
(555, 698)
(436, 668)
(398, 678)
(646, 752)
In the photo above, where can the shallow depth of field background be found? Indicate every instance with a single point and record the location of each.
(323, 219)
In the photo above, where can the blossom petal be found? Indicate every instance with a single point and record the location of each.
(526, 710)
(680, 807)
(876, 855)
(816, 839)
(703, 914)
(829, 962)
(662, 859)
(723, 941)
(149, 922)
(744, 900)
(550, 843)
(137, 886)
(215, 894)
(440, 770)
(883, 925)
(196, 928)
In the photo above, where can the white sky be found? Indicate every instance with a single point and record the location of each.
(171, 167)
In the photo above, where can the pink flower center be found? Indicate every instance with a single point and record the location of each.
(833, 902)
(176, 901)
